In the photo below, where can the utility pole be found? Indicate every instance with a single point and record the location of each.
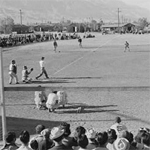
(118, 20)
(21, 19)
(2, 96)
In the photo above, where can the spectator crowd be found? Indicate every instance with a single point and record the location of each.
(22, 39)
(117, 137)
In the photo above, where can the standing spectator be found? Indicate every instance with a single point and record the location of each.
(43, 70)
(13, 72)
(118, 127)
(80, 42)
(127, 46)
(10, 142)
(24, 138)
(55, 45)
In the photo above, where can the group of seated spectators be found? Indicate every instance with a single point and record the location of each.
(117, 137)
(22, 39)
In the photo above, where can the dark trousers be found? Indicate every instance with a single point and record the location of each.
(43, 71)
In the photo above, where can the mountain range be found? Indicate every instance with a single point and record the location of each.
(32, 11)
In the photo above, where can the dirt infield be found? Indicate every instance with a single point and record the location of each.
(100, 77)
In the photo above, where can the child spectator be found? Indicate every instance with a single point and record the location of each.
(24, 138)
(118, 126)
(10, 142)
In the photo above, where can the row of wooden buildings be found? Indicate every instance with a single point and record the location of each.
(76, 27)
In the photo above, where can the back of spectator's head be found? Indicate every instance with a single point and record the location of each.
(112, 136)
(13, 61)
(34, 144)
(10, 137)
(39, 128)
(82, 141)
(118, 119)
(66, 127)
(42, 58)
(24, 137)
(79, 132)
(127, 135)
(102, 138)
(146, 139)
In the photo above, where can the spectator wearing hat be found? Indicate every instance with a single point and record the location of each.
(118, 126)
(57, 135)
(46, 143)
(10, 139)
(101, 139)
(24, 138)
(91, 134)
(112, 136)
(13, 72)
(43, 70)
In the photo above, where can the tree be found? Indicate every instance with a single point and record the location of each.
(7, 25)
(143, 23)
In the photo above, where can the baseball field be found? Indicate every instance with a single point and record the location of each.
(103, 78)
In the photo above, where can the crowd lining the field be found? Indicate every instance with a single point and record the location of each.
(117, 137)
(22, 39)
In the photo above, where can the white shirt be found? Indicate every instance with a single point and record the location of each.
(118, 128)
(41, 62)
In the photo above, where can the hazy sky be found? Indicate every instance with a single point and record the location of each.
(142, 3)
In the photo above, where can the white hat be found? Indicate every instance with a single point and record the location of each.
(56, 132)
(91, 133)
(121, 144)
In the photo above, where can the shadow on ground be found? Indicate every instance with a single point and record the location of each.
(19, 124)
(72, 108)
(50, 81)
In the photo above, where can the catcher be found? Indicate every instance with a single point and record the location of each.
(25, 74)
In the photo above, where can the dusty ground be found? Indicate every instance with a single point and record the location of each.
(100, 76)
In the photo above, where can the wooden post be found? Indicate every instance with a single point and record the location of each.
(2, 103)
